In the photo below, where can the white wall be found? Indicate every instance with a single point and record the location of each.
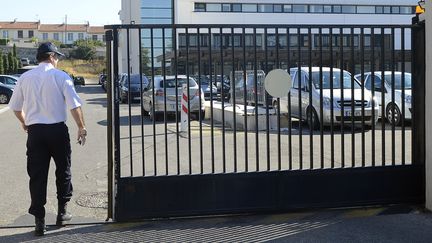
(131, 12)
(428, 104)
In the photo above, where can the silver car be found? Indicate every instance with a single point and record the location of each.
(301, 108)
(161, 90)
(392, 108)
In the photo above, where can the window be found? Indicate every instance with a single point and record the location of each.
(366, 9)
(287, 8)
(5, 34)
(94, 37)
(44, 36)
(327, 9)
(80, 36)
(249, 8)
(348, 9)
(56, 36)
(406, 10)
(299, 8)
(156, 4)
(158, 13)
(379, 9)
(387, 10)
(337, 9)
(265, 8)
(226, 7)
(103, 38)
(316, 8)
(30, 33)
(277, 8)
(271, 40)
(70, 36)
(214, 7)
(236, 7)
(395, 10)
(200, 7)
(20, 34)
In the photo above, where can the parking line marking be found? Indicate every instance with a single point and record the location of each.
(4, 109)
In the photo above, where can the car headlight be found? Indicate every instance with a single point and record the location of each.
(408, 99)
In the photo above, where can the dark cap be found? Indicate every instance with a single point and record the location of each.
(48, 47)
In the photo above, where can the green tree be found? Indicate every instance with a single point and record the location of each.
(11, 61)
(5, 63)
(14, 51)
(18, 64)
(1, 63)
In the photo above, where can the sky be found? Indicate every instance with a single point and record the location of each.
(97, 12)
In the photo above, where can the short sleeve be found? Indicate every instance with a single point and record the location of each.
(17, 100)
(71, 97)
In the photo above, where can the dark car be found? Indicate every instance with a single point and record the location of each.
(209, 90)
(78, 80)
(5, 93)
(132, 89)
(223, 86)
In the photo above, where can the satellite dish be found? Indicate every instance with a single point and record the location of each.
(277, 83)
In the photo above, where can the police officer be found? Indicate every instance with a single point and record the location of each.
(40, 101)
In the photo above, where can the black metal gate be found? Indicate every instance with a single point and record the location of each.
(336, 140)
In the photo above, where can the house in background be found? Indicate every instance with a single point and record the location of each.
(27, 34)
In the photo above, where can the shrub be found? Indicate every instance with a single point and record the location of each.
(4, 42)
(5, 63)
(1, 63)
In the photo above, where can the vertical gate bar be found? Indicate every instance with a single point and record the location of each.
(361, 50)
(113, 87)
(383, 116)
(141, 98)
(245, 104)
(278, 103)
(403, 92)
(222, 99)
(109, 78)
(266, 98)
(129, 100)
(200, 106)
(153, 100)
(321, 98)
(311, 109)
(352, 98)
(342, 114)
(373, 92)
(332, 142)
(211, 102)
(256, 100)
(188, 100)
(233, 94)
(299, 78)
(392, 39)
(176, 95)
(165, 102)
(289, 102)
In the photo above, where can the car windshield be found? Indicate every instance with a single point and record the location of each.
(171, 83)
(337, 84)
(135, 79)
(204, 80)
(398, 80)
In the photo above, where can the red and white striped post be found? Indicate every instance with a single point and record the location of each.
(184, 110)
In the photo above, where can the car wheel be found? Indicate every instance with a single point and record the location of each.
(197, 115)
(312, 119)
(4, 98)
(393, 114)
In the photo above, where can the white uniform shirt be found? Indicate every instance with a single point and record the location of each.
(44, 94)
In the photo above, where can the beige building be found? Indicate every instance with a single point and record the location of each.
(27, 34)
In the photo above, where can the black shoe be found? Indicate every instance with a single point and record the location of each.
(40, 226)
(63, 215)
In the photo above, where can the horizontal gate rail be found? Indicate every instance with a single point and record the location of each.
(353, 112)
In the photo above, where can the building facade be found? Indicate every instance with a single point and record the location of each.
(28, 34)
(263, 12)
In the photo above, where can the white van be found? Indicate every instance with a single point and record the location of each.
(342, 109)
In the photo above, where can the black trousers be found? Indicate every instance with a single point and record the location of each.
(46, 141)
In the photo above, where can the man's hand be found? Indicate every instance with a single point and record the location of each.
(25, 128)
(82, 134)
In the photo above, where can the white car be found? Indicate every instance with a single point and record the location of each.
(393, 110)
(165, 89)
(300, 86)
